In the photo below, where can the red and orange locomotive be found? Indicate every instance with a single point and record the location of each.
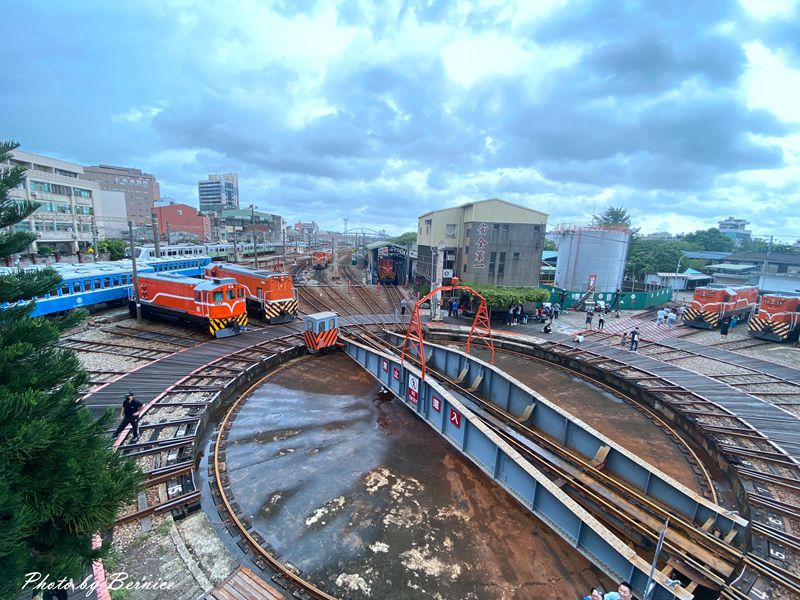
(320, 259)
(218, 304)
(778, 317)
(269, 293)
(712, 303)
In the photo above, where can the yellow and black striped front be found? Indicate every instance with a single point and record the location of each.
(766, 329)
(281, 311)
(700, 318)
(319, 341)
(215, 326)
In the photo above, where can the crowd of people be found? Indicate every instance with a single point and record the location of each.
(623, 593)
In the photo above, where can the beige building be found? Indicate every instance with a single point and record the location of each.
(66, 219)
(490, 241)
(141, 190)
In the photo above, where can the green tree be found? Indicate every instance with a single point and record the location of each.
(59, 482)
(710, 240)
(405, 239)
(614, 216)
(550, 245)
(653, 256)
(501, 297)
(115, 248)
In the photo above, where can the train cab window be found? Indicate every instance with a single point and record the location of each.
(331, 324)
(321, 326)
(725, 298)
(310, 325)
(217, 296)
(241, 293)
(231, 294)
(197, 296)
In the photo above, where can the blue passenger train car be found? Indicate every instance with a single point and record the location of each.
(88, 285)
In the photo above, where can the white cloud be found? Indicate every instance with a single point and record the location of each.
(137, 113)
(769, 83)
(763, 10)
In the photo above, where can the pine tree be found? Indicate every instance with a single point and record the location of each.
(59, 481)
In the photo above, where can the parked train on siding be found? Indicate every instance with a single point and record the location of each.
(713, 303)
(218, 251)
(93, 285)
(321, 258)
(216, 304)
(270, 294)
(778, 317)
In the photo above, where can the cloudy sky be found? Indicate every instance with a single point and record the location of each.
(683, 112)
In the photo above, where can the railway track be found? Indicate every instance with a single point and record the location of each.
(769, 478)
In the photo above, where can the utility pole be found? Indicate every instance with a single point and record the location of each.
(436, 299)
(156, 237)
(283, 232)
(169, 235)
(94, 240)
(253, 225)
(235, 247)
(335, 256)
(766, 260)
(135, 275)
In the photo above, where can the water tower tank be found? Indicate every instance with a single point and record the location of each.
(584, 252)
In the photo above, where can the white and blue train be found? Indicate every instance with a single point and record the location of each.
(87, 285)
(217, 251)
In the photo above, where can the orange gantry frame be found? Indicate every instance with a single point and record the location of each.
(481, 327)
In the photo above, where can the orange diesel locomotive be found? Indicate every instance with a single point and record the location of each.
(778, 318)
(319, 260)
(269, 293)
(712, 303)
(218, 304)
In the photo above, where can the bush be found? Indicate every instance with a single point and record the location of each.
(46, 250)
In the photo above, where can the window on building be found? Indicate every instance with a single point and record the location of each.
(450, 230)
(81, 193)
(492, 261)
(40, 186)
(504, 227)
(514, 263)
(180, 212)
(496, 227)
(428, 223)
(501, 265)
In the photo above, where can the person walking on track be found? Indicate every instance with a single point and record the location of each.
(634, 340)
(403, 306)
(130, 416)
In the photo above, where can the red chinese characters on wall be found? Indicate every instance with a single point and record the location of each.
(479, 258)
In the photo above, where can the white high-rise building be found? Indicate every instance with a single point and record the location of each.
(219, 192)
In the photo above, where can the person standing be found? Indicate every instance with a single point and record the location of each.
(556, 310)
(454, 307)
(589, 317)
(403, 306)
(601, 321)
(634, 340)
(734, 321)
(624, 341)
(130, 416)
(681, 310)
(660, 317)
(723, 329)
(596, 593)
(671, 318)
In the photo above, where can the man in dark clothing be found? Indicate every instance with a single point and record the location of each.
(723, 330)
(130, 410)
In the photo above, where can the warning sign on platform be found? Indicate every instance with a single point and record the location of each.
(385, 365)
(455, 418)
(436, 403)
(413, 389)
(396, 373)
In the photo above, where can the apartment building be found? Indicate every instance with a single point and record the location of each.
(141, 190)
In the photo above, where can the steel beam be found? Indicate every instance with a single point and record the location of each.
(449, 417)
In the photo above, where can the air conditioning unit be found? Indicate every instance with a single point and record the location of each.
(447, 273)
(35, 194)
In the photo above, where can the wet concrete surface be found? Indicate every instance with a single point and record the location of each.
(364, 498)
